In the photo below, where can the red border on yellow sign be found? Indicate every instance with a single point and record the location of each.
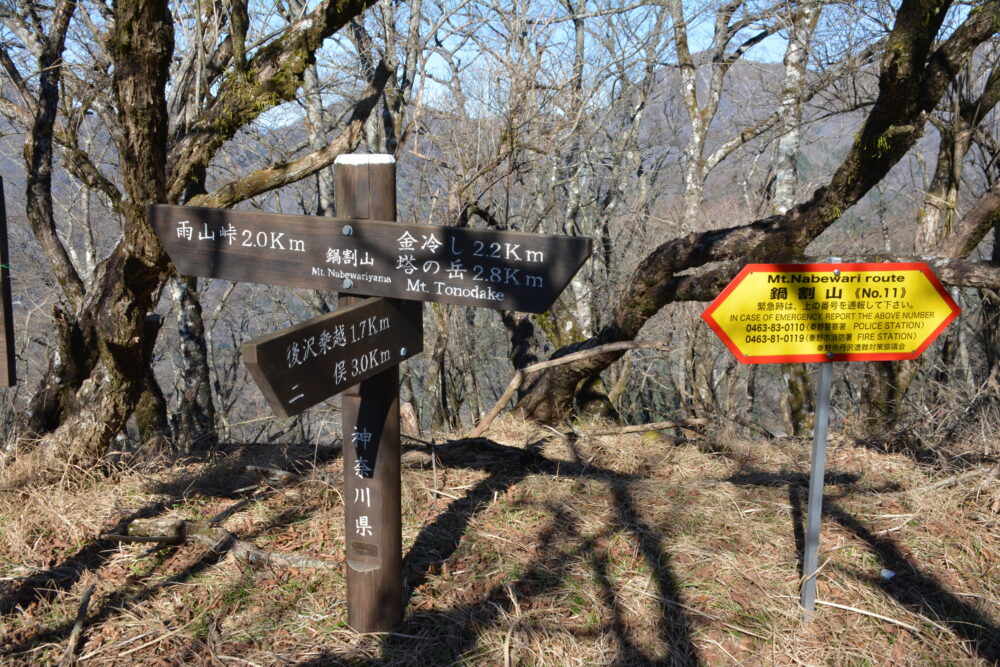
(830, 268)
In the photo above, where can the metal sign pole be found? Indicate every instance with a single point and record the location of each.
(778, 313)
(811, 559)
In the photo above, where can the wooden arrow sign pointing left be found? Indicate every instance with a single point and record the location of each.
(300, 366)
(470, 267)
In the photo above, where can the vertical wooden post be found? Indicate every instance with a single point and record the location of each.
(366, 188)
(8, 374)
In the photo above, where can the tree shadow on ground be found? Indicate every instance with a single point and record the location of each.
(227, 468)
(453, 633)
(46, 584)
(940, 454)
(912, 587)
(222, 478)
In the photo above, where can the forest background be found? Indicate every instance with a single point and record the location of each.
(686, 139)
(740, 132)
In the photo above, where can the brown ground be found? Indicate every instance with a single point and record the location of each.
(526, 548)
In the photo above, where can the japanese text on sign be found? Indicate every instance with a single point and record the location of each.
(497, 269)
(844, 312)
(302, 365)
(363, 470)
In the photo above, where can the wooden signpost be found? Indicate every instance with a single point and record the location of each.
(8, 371)
(775, 313)
(357, 349)
(373, 517)
(470, 267)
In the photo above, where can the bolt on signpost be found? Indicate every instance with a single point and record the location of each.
(357, 349)
(779, 313)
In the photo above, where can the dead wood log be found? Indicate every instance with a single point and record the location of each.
(519, 376)
(282, 478)
(217, 538)
(687, 424)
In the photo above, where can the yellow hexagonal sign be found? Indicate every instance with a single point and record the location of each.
(774, 313)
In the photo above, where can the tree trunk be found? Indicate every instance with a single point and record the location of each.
(991, 315)
(524, 347)
(111, 320)
(798, 403)
(54, 399)
(151, 415)
(793, 97)
(194, 422)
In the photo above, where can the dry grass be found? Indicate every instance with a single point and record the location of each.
(610, 550)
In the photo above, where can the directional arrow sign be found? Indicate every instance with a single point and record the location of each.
(773, 313)
(470, 267)
(300, 366)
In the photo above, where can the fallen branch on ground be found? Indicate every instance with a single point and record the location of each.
(689, 424)
(74, 636)
(282, 478)
(217, 538)
(872, 614)
(519, 376)
(955, 479)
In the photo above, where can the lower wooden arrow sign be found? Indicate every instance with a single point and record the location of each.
(300, 366)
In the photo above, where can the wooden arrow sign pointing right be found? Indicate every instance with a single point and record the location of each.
(470, 267)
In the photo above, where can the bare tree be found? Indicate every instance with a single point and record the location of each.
(916, 72)
(804, 18)
(972, 96)
(730, 42)
(105, 333)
